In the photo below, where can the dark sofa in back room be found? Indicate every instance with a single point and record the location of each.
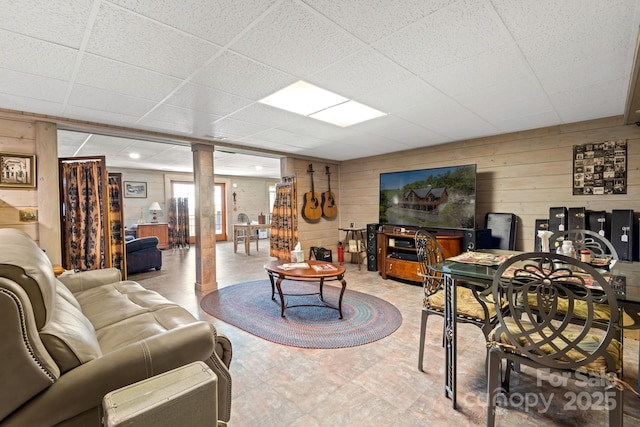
(143, 254)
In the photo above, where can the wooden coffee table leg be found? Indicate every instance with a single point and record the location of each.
(321, 288)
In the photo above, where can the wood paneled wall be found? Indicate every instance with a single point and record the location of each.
(525, 173)
(18, 137)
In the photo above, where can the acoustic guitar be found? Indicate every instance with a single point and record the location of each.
(329, 207)
(311, 207)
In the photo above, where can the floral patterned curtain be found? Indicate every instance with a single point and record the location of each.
(82, 225)
(284, 224)
(179, 222)
(116, 227)
(173, 222)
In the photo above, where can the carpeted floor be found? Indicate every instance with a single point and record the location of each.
(249, 306)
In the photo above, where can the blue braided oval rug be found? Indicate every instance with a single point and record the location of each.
(249, 306)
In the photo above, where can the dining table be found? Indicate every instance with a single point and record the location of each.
(623, 276)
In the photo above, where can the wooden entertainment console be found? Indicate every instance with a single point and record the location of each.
(397, 253)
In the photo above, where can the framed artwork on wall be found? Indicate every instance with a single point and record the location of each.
(17, 170)
(135, 189)
(600, 168)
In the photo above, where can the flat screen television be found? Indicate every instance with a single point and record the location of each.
(431, 198)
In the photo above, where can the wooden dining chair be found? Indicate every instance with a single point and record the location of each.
(243, 218)
(541, 337)
(470, 303)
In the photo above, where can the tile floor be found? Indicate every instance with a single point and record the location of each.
(373, 384)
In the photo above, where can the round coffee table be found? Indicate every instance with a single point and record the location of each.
(323, 272)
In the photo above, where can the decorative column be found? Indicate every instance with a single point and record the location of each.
(48, 190)
(205, 218)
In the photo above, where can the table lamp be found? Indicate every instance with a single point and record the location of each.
(154, 209)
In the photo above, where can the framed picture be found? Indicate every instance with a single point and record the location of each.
(17, 170)
(600, 168)
(135, 189)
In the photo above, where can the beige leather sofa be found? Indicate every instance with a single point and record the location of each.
(66, 343)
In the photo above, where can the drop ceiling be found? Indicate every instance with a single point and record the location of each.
(443, 70)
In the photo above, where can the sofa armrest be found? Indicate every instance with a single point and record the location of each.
(84, 387)
(90, 279)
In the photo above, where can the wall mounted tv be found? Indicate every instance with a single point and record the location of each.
(432, 198)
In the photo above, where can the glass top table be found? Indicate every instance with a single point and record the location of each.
(624, 278)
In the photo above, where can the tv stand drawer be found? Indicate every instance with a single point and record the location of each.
(402, 269)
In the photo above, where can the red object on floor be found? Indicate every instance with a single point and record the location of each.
(340, 253)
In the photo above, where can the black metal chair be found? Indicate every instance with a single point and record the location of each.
(544, 338)
(599, 246)
(602, 252)
(470, 303)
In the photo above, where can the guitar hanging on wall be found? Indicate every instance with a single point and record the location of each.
(329, 207)
(311, 207)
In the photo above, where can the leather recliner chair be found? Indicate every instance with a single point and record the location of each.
(67, 342)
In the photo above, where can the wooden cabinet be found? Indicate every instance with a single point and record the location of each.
(161, 231)
(397, 255)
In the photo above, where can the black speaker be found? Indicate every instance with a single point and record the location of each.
(577, 218)
(623, 233)
(479, 238)
(557, 221)
(372, 247)
(597, 222)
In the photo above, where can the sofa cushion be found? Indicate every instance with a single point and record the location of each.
(142, 326)
(108, 304)
(69, 337)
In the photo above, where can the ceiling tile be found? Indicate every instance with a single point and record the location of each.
(130, 38)
(61, 22)
(295, 40)
(399, 130)
(21, 103)
(30, 86)
(207, 100)
(235, 128)
(533, 121)
(362, 72)
(451, 35)
(99, 116)
(265, 115)
(489, 69)
(218, 21)
(102, 100)
(243, 77)
(116, 76)
(371, 20)
(555, 20)
(44, 59)
(180, 119)
(584, 73)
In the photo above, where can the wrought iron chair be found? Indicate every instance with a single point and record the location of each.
(603, 253)
(470, 303)
(536, 337)
(599, 246)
